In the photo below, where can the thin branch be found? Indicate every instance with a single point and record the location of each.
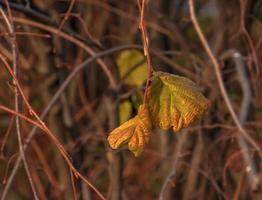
(72, 178)
(253, 176)
(85, 28)
(58, 145)
(219, 77)
(10, 159)
(207, 176)
(247, 37)
(17, 33)
(181, 139)
(244, 135)
(35, 14)
(142, 27)
(46, 167)
(8, 131)
(66, 15)
(49, 133)
(53, 101)
(10, 26)
(75, 41)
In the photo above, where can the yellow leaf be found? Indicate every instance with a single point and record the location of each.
(128, 59)
(135, 132)
(125, 111)
(174, 101)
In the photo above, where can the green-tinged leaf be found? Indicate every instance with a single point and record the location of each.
(135, 132)
(174, 101)
(126, 61)
(125, 111)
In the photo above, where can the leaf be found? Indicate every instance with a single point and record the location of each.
(125, 111)
(126, 61)
(135, 132)
(174, 101)
(126, 106)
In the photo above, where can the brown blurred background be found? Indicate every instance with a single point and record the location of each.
(204, 161)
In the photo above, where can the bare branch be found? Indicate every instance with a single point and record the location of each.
(10, 26)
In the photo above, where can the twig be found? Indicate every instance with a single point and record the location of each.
(66, 15)
(59, 146)
(31, 13)
(73, 185)
(219, 77)
(10, 159)
(53, 101)
(49, 133)
(75, 41)
(245, 107)
(56, 97)
(231, 158)
(8, 131)
(207, 176)
(10, 26)
(142, 27)
(86, 30)
(17, 33)
(38, 183)
(82, 45)
(247, 37)
(124, 15)
(172, 173)
(46, 167)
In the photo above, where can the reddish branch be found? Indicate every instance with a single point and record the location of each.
(50, 105)
(66, 15)
(142, 27)
(13, 43)
(244, 135)
(219, 77)
(46, 130)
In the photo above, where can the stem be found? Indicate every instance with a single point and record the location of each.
(145, 44)
(10, 26)
(219, 77)
(52, 102)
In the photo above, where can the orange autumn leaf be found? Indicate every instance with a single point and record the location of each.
(174, 101)
(135, 132)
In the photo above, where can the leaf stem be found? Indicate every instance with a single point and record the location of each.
(143, 30)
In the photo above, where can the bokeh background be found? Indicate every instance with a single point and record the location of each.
(203, 161)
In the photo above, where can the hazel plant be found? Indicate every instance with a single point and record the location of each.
(171, 102)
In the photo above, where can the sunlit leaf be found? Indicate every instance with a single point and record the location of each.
(126, 61)
(135, 132)
(174, 101)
